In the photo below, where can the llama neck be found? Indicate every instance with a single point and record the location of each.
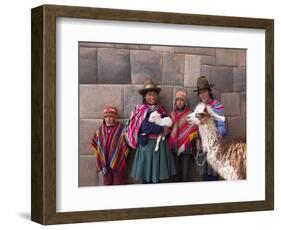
(210, 138)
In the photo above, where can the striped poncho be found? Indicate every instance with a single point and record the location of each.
(134, 123)
(218, 108)
(110, 147)
(182, 132)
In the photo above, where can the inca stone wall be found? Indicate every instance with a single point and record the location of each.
(113, 74)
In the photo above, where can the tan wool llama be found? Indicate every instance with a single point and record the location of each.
(228, 159)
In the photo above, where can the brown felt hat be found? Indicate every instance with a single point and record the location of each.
(149, 86)
(203, 83)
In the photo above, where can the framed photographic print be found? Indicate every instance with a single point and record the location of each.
(139, 114)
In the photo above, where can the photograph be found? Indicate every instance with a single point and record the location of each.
(174, 108)
(161, 114)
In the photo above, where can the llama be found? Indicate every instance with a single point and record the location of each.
(155, 117)
(227, 159)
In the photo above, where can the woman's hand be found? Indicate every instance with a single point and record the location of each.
(166, 131)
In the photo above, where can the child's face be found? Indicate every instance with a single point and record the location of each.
(180, 103)
(110, 120)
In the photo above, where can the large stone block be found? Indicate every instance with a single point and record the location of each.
(146, 65)
(216, 94)
(165, 98)
(113, 66)
(93, 99)
(87, 65)
(195, 50)
(239, 79)
(131, 98)
(222, 78)
(87, 129)
(226, 57)
(243, 98)
(242, 57)
(236, 127)
(173, 69)
(206, 71)
(231, 103)
(208, 60)
(88, 174)
(192, 70)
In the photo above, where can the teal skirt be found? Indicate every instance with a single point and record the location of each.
(151, 166)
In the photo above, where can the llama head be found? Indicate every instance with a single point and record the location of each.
(154, 116)
(202, 114)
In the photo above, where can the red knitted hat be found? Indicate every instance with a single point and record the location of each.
(181, 94)
(110, 111)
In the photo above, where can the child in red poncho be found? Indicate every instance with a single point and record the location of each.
(110, 148)
(182, 136)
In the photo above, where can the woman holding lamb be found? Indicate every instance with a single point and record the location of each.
(152, 163)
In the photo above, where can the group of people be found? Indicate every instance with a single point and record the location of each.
(175, 155)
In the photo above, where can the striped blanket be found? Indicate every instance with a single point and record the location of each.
(217, 107)
(134, 123)
(182, 132)
(110, 147)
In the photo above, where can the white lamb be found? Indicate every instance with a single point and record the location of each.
(155, 117)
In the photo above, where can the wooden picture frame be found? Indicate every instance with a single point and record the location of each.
(43, 207)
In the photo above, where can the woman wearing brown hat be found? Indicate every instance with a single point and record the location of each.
(204, 90)
(149, 166)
